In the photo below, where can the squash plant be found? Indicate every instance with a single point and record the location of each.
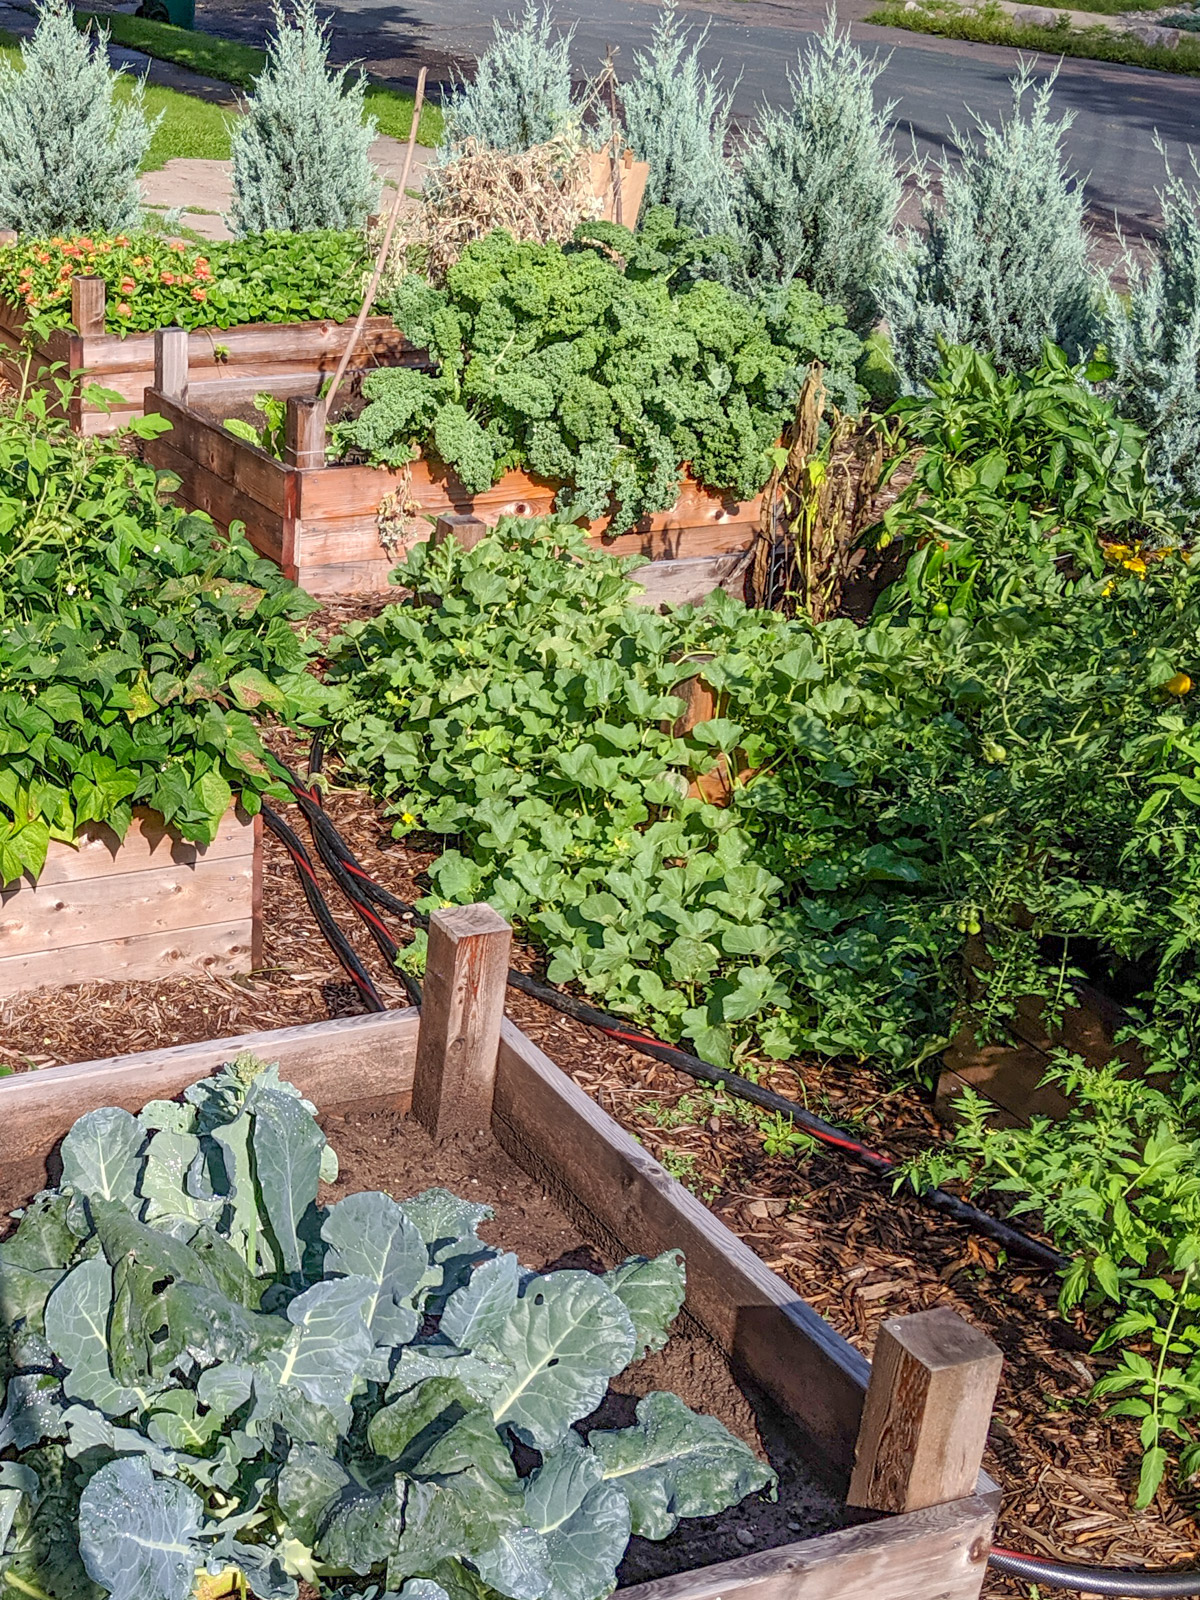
(208, 1373)
(138, 650)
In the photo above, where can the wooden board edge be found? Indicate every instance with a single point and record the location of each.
(552, 1128)
(341, 1060)
(941, 1552)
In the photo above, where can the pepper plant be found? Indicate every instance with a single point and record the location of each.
(209, 1373)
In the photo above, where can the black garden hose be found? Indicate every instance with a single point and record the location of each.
(1095, 1580)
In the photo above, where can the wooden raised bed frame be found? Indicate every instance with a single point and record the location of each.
(287, 357)
(148, 907)
(319, 521)
(904, 1437)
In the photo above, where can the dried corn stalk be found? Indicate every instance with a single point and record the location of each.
(541, 194)
(815, 508)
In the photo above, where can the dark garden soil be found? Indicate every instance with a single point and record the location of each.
(830, 1229)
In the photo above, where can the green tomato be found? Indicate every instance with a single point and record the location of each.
(941, 609)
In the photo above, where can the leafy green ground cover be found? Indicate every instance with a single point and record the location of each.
(989, 25)
(1009, 746)
(239, 64)
(137, 651)
(605, 375)
(207, 1373)
(154, 282)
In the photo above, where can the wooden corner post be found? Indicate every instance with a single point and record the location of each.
(171, 362)
(88, 301)
(304, 431)
(926, 1416)
(466, 974)
(466, 530)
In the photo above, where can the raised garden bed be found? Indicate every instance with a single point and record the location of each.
(1008, 1072)
(912, 1448)
(139, 908)
(287, 357)
(321, 521)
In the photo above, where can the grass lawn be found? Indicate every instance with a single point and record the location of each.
(990, 25)
(239, 64)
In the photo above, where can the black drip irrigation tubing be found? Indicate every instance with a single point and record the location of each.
(361, 890)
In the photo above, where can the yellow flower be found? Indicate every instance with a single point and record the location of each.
(407, 818)
(1179, 683)
(1107, 590)
(1118, 552)
(1135, 564)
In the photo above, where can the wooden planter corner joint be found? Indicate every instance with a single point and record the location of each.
(286, 357)
(150, 906)
(904, 1437)
(323, 523)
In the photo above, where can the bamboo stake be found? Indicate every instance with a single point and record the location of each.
(381, 258)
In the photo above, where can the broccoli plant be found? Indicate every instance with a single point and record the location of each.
(208, 1374)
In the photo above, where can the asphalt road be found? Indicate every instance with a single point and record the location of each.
(1117, 110)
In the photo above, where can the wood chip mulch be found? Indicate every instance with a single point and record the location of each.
(829, 1228)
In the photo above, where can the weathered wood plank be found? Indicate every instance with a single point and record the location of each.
(687, 582)
(147, 845)
(62, 917)
(550, 1126)
(203, 490)
(348, 1059)
(940, 1554)
(216, 947)
(171, 364)
(466, 973)
(929, 1404)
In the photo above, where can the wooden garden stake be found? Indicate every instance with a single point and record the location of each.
(381, 258)
(465, 530)
(304, 431)
(88, 296)
(466, 974)
(171, 362)
(926, 1415)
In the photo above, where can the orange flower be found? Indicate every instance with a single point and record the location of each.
(104, 247)
(124, 309)
(43, 256)
(64, 272)
(168, 277)
(199, 294)
(127, 286)
(87, 244)
(122, 241)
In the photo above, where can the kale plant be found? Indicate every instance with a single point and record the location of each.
(677, 119)
(1003, 265)
(1154, 342)
(818, 190)
(521, 93)
(597, 374)
(302, 148)
(210, 1373)
(69, 156)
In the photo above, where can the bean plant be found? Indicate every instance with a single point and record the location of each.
(212, 1382)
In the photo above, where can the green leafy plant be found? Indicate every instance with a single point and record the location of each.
(603, 375)
(209, 1373)
(269, 437)
(1117, 1183)
(138, 650)
(301, 148)
(160, 283)
(69, 154)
